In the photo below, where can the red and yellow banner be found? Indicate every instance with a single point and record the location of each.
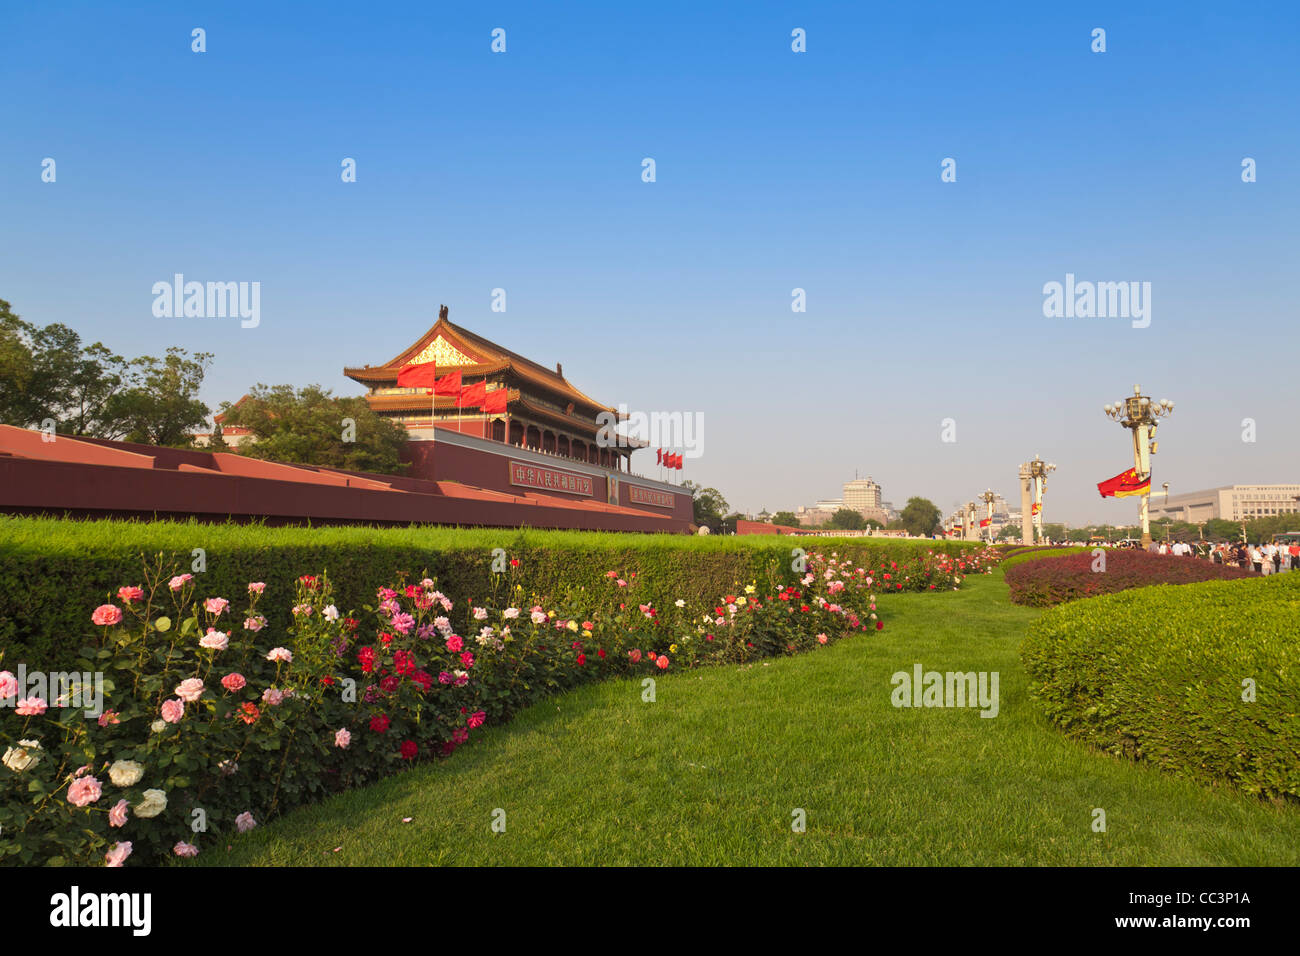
(1124, 485)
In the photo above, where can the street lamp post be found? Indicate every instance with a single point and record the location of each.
(970, 521)
(1038, 472)
(987, 497)
(1138, 414)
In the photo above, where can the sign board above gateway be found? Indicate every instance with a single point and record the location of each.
(550, 479)
(638, 495)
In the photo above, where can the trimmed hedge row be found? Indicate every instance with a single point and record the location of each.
(1166, 674)
(52, 569)
(1012, 560)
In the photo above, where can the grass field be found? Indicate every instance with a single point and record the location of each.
(712, 771)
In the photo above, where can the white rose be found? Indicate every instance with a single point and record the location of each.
(26, 754)
(154, 803)
(125, 773)
(158, 726)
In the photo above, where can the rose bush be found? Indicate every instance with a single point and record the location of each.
(212, 722)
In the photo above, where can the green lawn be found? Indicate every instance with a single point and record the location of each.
(711, 771)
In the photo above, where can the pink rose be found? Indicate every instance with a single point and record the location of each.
(476, 719)
(214, 640)
(254, 623)
(822, 638)
(117, 815)
(280, 654)
(272, 697)
(216, 605)
(454, 644)
(185, 849)
(189, 690)
(256, 587)
(84, 790)
(31, 707)
(179, 582)
(130, 594)
(233, 682)
(8, 685)
(342, 738)
(245, 822)
(173, 711)
(106, 615)
(109, 717)
(118, 854)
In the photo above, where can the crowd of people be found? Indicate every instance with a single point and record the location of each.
(1260, 558)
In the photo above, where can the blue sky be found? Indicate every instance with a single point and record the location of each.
(775, 170)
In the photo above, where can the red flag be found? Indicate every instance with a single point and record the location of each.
(1036, 508)
(659, 456)
(417, 376)
(1124, 485)
(472, 395)
(496, 401)
(985, 522)
(448, 384)
(677, 462)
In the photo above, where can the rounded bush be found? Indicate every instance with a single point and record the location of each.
(1202, 680)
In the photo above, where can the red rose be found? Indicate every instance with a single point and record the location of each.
(379, 723)
(582, 659)
(879, 625)
(409, 750)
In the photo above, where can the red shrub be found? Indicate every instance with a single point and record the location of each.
(1052, 581)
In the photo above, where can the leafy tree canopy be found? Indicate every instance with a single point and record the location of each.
(310, 426)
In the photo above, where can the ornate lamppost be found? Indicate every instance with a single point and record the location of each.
(988, 497)
(1138, 414)
(970, 521)
(1033, 477)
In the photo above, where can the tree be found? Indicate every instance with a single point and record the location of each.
(164, 407)
(847, 519)
(310, 426)
(48, 374)
(709, 504)
(920, 517)
(1009, 532)
(787, 518)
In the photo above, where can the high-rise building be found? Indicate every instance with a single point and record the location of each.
(861, 494)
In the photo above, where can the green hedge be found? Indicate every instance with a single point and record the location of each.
(52, 571)
(1014, 559)
(1157, 674)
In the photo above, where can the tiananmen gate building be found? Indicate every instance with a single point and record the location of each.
(538, 459)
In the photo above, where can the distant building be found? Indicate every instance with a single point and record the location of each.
(861, 493)
(1229, 502)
